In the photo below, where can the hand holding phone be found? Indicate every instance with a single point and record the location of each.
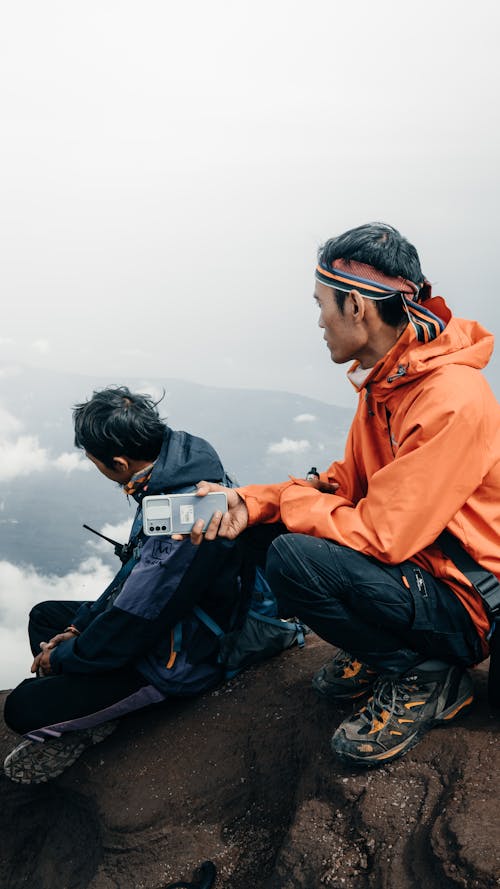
(167, 514)
(230, 525)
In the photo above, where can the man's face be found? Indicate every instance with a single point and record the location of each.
(121, 474)
(341, 334)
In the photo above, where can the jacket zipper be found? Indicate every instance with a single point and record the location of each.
(388, 419)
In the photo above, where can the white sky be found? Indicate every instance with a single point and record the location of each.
(168, 171)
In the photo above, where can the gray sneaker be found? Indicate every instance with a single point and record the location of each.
(35, 762)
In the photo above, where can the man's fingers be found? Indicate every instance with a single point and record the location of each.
(198, 534)
(226, 528)
(212, 528)
(328, 488)
(204, 488)
(324, 487)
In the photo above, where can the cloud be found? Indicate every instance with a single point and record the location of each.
(289, 446)
(23, 455)
(20, 589)
(8, 423)
(305, 418)
(119, 532)
(68, 462)
(134, 353)
(9, 371)
(42, 346)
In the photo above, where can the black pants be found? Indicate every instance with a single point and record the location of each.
(57, 699)
(367, 608)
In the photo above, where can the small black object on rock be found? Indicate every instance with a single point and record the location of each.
(204, 878)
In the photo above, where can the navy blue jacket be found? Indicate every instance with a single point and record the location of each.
(133, 621)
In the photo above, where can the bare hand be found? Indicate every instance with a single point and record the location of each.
(229, 525)
(324, 487)
(41, 664)
(60, 637)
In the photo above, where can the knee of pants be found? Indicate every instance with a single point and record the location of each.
(284, 568)
(275, 561)
(37, 612)
(12, 714)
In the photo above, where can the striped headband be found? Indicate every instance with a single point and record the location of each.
(364, 278)
(372, 284)
(425, 323)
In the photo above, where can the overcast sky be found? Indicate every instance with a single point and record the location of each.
(169, 169)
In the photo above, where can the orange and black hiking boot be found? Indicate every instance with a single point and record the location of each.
(344, 678)
(400, 711)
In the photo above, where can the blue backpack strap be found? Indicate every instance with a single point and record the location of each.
(177, 637)
(175, 644)
(283, 624)
(207, 620)
(126, 569)
(274, 621)
(263, 598)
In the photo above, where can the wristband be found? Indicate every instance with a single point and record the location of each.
(72, 629)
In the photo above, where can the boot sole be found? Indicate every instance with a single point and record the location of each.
(36, 762)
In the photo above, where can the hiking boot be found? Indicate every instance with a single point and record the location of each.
(400, 711)
(35, 762)
(344, 678)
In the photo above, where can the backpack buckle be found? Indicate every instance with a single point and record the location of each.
(489, 588)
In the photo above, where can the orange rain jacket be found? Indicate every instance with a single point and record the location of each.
(422, 454)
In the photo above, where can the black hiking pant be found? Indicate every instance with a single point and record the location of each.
(390, 617)
(51, 700)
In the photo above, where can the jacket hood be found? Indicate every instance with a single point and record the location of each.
(183, 461)
(461, 342)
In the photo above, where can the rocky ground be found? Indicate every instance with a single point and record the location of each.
(244, 776)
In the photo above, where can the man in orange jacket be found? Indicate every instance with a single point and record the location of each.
(358, 561)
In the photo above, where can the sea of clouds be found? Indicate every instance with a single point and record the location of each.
(23, 587)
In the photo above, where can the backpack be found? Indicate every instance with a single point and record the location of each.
(488, 587)
(259, 633)
(256, 633)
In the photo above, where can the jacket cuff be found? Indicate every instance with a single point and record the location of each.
(57, 655)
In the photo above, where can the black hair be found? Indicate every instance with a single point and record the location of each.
(118, 422)
(383, 247)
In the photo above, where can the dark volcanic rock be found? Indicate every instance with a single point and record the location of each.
(244, 776)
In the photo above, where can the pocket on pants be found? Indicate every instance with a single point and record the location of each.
(423, 595)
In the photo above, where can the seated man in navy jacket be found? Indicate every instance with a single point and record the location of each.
(140, 642)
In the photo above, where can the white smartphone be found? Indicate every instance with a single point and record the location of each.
(164, 514)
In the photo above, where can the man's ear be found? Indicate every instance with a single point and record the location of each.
(356, 305)
(121, 464)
